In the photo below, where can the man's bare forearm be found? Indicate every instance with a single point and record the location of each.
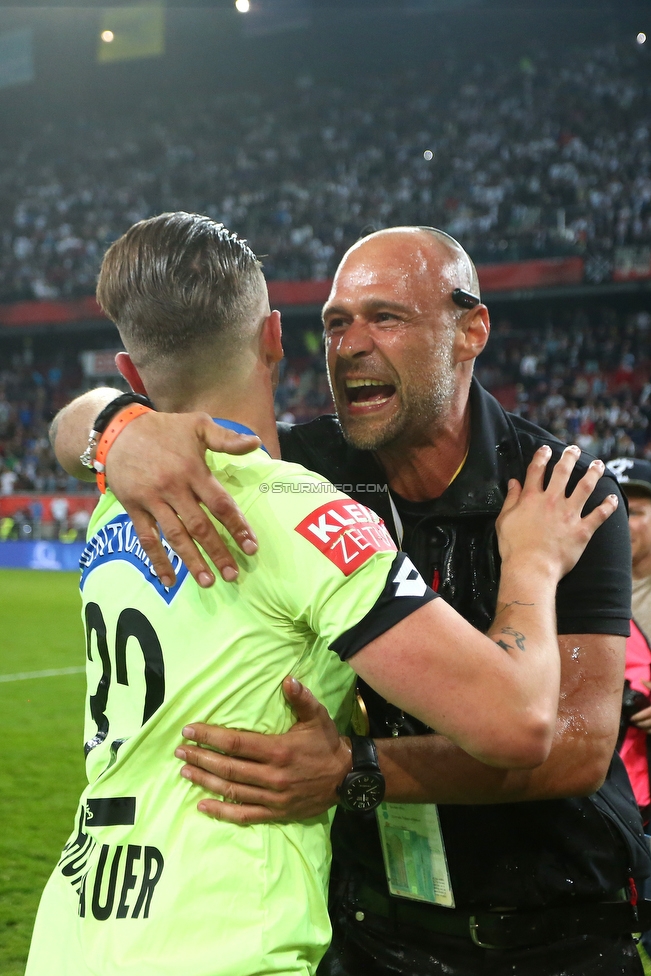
(296, 775)
(431, 769)
(71, 426)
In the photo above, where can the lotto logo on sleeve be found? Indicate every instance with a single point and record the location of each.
(347, 533)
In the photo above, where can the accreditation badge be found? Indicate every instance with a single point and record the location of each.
(414, 853)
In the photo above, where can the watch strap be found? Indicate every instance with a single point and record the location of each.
(115, 427)
(365, 775)
(364, 753)
(105, 416)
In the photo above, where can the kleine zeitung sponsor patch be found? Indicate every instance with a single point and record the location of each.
(347, 533)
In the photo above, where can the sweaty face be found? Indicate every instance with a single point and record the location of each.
(394, 392)
(389, 344)
(639, 523)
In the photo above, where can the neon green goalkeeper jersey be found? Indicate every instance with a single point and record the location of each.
(147, 885)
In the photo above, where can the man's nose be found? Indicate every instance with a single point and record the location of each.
(356, 341)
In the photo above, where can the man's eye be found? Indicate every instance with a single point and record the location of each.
(385, 317)
(334, 325)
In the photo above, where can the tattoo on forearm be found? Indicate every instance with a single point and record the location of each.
(513, 603)
(504, 645)
(519, 638)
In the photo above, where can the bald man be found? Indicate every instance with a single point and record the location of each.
(468, 868)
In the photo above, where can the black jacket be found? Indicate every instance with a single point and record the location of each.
(521, 854)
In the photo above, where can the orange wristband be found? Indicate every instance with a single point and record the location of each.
(118, 424)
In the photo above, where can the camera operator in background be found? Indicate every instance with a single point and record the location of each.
(634, 741)
(634, 475)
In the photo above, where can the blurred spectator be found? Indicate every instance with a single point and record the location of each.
(59, 509)
(635, 726)
(30, 394)
(634, 743)
(8, 479)
(79, 522)
(635, 478)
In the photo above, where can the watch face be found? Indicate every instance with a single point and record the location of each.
(363, 791)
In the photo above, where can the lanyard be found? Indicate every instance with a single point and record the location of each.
(397, 521)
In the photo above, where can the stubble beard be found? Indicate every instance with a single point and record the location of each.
(425, 399)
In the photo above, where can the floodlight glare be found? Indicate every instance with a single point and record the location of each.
(242, 6)
(641, 38)
(107, 36)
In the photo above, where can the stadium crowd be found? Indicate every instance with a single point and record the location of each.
(533, 158)
(30, 395)
(583, 375)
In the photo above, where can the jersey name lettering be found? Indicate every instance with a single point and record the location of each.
(118, 540)
(123, 887)
(347, 533)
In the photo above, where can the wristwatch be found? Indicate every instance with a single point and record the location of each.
(363, 787)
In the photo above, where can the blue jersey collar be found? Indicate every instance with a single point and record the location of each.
(238, 428)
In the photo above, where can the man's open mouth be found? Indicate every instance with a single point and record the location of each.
(368, 392)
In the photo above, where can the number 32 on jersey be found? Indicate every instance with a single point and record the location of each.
(130, 624)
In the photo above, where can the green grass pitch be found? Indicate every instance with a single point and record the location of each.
(41, 731)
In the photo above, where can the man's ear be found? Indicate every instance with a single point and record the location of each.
(472, 334)
(130, 373)
(271, 339)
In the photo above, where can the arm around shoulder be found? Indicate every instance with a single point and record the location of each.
(433, 664)
(433, 769)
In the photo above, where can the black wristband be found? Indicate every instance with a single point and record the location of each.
(106, 415)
